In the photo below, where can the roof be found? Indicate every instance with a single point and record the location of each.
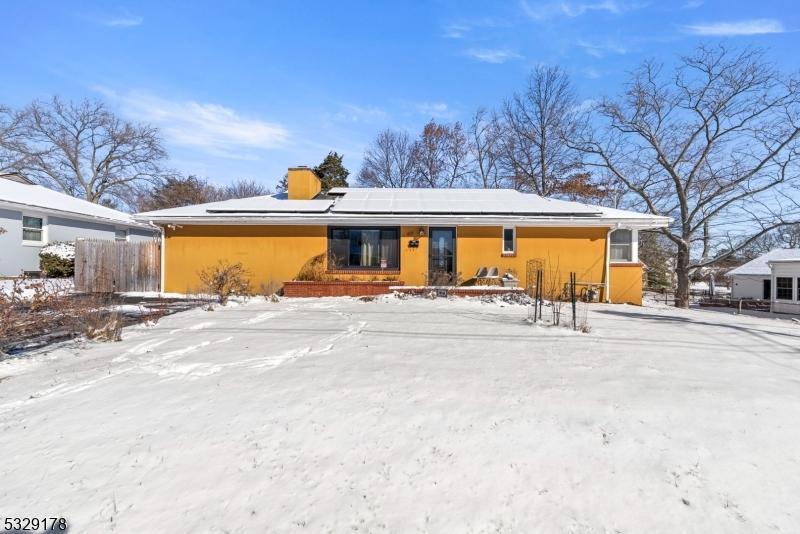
(410, 206)
(454, 201)
(21, 196)
(15, 177)
(760, 265)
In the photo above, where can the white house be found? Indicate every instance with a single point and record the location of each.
(786, 281)
(32, 216)
(753, 280)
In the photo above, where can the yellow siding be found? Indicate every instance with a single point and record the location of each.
(626, 283)
(562, 250)
(302, 184)
(274, 254)
(271, 253)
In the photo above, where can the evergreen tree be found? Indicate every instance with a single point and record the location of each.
(332, 172)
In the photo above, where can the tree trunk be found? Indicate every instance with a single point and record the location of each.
(682, 272)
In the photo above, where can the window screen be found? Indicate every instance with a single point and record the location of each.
(32, 228)
(621, 245)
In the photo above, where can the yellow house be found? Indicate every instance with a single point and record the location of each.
(410, 236)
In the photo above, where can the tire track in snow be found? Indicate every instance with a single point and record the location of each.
(203, 369)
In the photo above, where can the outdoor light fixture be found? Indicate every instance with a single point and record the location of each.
(422, 232)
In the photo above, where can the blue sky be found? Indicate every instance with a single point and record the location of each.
(247, 89)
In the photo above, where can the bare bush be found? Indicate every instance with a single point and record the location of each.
(225, 279)
(314, 270)
(41, 311)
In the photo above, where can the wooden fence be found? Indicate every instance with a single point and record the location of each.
(112, 266)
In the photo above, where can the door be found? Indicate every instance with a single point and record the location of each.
(767, 289)
(442, 257)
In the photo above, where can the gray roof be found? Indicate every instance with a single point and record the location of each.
(760, 266)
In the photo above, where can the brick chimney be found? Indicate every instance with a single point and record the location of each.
(303, 183)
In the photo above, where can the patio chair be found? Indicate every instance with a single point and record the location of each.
(480, 275)
(492, 277)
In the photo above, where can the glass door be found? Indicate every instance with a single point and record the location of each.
(442, 257)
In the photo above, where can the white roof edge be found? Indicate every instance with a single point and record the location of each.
(783, 260)
(75, 215)
(411, 220)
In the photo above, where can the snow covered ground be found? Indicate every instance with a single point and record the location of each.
(337, 415)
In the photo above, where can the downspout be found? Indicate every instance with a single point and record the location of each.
(607, 281)
(163, 254)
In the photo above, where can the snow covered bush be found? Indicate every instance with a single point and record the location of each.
(225, 279)
(57, 260)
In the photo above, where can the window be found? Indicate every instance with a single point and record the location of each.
(121, 235)
(509, 241)
(32, 229)
(783, 288)
(364, 248)
(621, 245)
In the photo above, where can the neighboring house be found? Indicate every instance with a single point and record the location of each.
(405, 235)
(785, 276)
(753, 280)
(33, 216)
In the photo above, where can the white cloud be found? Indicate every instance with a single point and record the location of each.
(356, 113)
(492, 55)
(456, 31)
(591, 73)
(692, 4)
(436, 110)
(216, 129)
(742, 27)
(125, 20)
(597, 49)
(546, 10)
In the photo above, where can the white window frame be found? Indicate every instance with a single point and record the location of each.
(513, 250)
(634, 247)
(792, 289)
(27, 242)
(127, 234)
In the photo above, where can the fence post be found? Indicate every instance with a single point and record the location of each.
(573, 278)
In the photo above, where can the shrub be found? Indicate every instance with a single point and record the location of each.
(225, 279)
(314, 270)
(57, 260)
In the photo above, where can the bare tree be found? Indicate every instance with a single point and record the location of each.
(535, 124)
(440, 155)
(244, 189)
(485, 142)
(713, 145)
(388, 161)
(12, 156)
(84, 150)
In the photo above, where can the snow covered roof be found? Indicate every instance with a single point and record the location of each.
(454, 201)
(760, 265)
(21, 195)
(405, 206)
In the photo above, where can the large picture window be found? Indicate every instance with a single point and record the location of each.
(621, 245)
(783, 288)
(364, 248)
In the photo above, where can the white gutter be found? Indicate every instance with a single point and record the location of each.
(607, 281)
(163, 247)
(133, 223)
(633, 223)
